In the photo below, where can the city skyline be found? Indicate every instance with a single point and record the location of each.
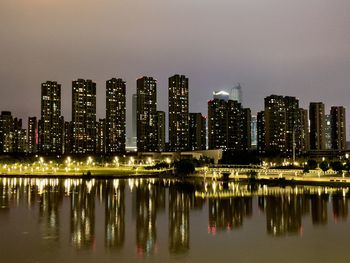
(308, 55)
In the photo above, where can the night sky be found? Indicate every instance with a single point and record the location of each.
(288, 47)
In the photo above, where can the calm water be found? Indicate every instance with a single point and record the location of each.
(66, 220)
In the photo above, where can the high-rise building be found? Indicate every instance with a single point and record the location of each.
(247, 129)
(101, 138)
(254, 134)
(50, 131)
(260, 125)
(284, 126)
(338, 127)
(32, 134)
(115, 115)
(161, 130)
(328, 132)
(275, 124)
(20, 137)
(147, 137)
(178, 113)
(217, 124)
(83, 116)
(236, 126)
(317, 126)
(304, 131)
(6, 132)
(68, 137)
(227, 122)
(197, 131)
(134, 116)
(236, 93)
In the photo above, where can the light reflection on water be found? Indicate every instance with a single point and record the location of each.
(139, 215)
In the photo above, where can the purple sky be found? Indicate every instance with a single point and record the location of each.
(298, 48)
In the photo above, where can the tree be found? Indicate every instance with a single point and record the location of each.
(324, 166)
(347, 166)
(337, 166)
(184, 167)
(312, 164)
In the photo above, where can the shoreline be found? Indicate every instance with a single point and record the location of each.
(331, 181)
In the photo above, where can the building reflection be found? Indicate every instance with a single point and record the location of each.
(150, 198)
(83, 215)
(179, 218)
(340, 207)
(114, 214)
(284, 214)
(228, 207)
(228, 213)
(319, 208)
(50, 201)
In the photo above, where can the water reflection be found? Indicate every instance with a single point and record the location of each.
(225, 207)
(115, 214)
(49, 204)
(179, 217)
(228, 214)
(82, 216)
(150, 198)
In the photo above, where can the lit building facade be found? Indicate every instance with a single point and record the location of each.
(178, 113)
(101, 138)
(115, 115)
(147, 137)
(50, 130)
(228, 125)
(338, 128)
(285, 127)
(83, 116)
(32, 134)
(317, 126)
(197, 132)
(161, 130)
(6, 132)
(260, 127)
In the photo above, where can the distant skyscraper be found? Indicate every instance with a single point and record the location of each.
(221, 95)
(338, 127)
(32, 134)
(178, 113)
(317, 126)
(161, 130)
(115, 115)
(101, 139)
(197, 130)
(84, 116)
(236, 93)
(50, 131)
(147, 137)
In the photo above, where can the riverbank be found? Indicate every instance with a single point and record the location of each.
(274, 177)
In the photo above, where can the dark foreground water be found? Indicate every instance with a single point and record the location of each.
(65, 220)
